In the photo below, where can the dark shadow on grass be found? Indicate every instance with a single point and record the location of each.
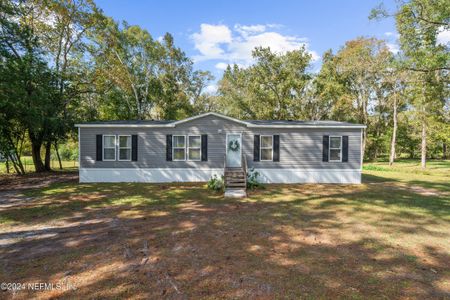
(74, 198)
(368, 178)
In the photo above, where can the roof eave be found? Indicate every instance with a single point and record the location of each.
(306, 126)
(172, 125)
(125, 125)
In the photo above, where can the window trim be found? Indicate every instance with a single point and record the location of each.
(115, 147)
(118, 147)
(340, 148)
(189, 147)
(173, 147)
(261, 147)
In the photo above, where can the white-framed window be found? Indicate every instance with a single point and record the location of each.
(109, 147)
(125, 147)
(335, 149)
(194, 147)
(266, 147)
(179, 147)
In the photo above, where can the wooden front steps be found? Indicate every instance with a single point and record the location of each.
(235, 178)
(235, 182)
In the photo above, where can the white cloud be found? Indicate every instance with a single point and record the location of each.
(242, 50)
(211, 89)
(443, 36)
(394, 48)
(235, 46)
(246, 30)
(209, 39)
(391, 34)
(221, 66)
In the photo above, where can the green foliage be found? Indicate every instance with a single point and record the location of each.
(418, 23)
(375, 168)
(272, 88)
(68, 152)
(352, 81)
(143, 78)
(216, 183)
(253, 181)
(84, 66)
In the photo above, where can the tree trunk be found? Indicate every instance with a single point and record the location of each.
(7, 165)
(424, 146)
(444, 150)
(16, 168)
(394, 134)
(48, 148)
(13, 156)
(19, 164)
(36, 155)
(57, 155)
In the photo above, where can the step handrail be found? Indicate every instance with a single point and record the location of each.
(244, 162)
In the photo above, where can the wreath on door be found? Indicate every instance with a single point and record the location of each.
(234, 145)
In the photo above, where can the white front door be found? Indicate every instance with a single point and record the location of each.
(234, 150)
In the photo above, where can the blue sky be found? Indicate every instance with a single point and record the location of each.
(215, 33)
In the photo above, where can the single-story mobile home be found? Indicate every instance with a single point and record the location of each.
(196, 148)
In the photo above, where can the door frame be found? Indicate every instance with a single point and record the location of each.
(240, 148)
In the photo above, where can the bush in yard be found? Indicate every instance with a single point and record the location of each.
(216, 183)
(68, 152)
(252, 179)
(74, 155)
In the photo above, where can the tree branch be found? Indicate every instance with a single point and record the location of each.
(428, 70)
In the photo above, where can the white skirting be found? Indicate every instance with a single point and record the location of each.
(310, 175)
(147, 175)
(198, 175)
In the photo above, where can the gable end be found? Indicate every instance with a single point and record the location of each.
(209, 114)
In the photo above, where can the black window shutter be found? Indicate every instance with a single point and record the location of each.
(169, 147)
(256, 148)
(99, 149)
(345, 148)
(276, 148)
(204, 147)
(134, 147)
(326, 142)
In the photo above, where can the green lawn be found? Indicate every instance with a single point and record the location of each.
(436, 175)
(387, 238)
(27, 162)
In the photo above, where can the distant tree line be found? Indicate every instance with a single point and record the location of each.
(63, 62)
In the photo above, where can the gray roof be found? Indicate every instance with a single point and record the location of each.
(249, 123)
(130, 122)
(299, 122)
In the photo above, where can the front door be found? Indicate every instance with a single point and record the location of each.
(234, 150)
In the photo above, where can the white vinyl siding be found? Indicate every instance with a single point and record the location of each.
(124, 147)
(194, 147)
(335, 149)
(179, 148)
(266, 148)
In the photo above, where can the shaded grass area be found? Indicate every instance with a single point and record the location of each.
(386, 238)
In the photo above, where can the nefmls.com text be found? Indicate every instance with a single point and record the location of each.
(37, 286)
